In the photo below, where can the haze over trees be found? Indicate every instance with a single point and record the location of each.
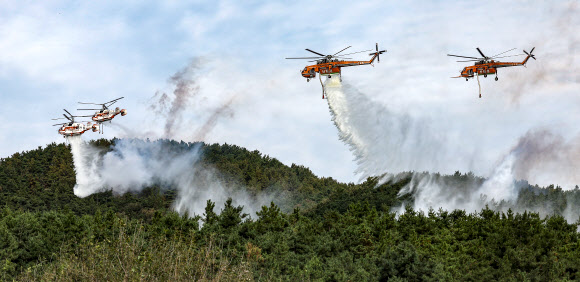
(317, 228)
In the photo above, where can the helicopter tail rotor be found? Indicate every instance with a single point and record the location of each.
(377, 53)
(530, 55)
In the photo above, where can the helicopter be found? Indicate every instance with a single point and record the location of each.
(104, 113)
(73, 128)
(332, 64)
(488, 65)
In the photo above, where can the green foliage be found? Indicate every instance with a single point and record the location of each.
(317, 228)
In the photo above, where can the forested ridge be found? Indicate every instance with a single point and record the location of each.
(319, 229)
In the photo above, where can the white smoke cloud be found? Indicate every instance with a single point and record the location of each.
(436, 191)
(183, 112)
(543, 155)
(499, 191)
(385, 142)
(132, 165)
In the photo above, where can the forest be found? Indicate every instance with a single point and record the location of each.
(316, 229)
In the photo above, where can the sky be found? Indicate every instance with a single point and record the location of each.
(54, 54)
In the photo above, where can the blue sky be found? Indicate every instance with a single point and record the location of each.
(56, 53)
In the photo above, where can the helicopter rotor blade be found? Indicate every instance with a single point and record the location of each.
(341, 50)
(67, 112)
(481, 52)
(315, 52)
(71, 118)
(88, 109)
(356, 52)
(464, 57)
(305, 58)
(60, 124)
(508, 56)
(89, 103)
(468, 61)
(502, 53)
(113, 101)
(532, 53)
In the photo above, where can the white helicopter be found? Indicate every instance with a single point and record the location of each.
(104, 113)
(73, 128)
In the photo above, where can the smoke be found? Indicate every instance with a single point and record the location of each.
(557, 61)
(384, 142)
(185, 83)
(464, 192)
(224, 110)
(132, 165)
(193, 105)
(542, 156)
(538, 155)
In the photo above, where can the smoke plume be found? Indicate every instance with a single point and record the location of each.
(192, 105)
(132, 165)
(385, 142)
(538, 155)
(185, 84)
(224, 110)
(542, 155)
(558, 60)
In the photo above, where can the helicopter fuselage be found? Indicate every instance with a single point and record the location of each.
(107, 115)
(329, 66)
(484, 68)
(75, 129)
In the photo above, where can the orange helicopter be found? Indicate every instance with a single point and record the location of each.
(332, 64)
(488, 65)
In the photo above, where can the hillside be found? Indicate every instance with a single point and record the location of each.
(317, 228)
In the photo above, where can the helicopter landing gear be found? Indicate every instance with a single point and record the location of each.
(496, 78)
(329, 76)
(485, 75)
(467, 79)
(308, 80)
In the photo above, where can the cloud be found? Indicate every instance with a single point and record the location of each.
(54, 54)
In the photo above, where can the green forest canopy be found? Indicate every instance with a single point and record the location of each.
(318, 229)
